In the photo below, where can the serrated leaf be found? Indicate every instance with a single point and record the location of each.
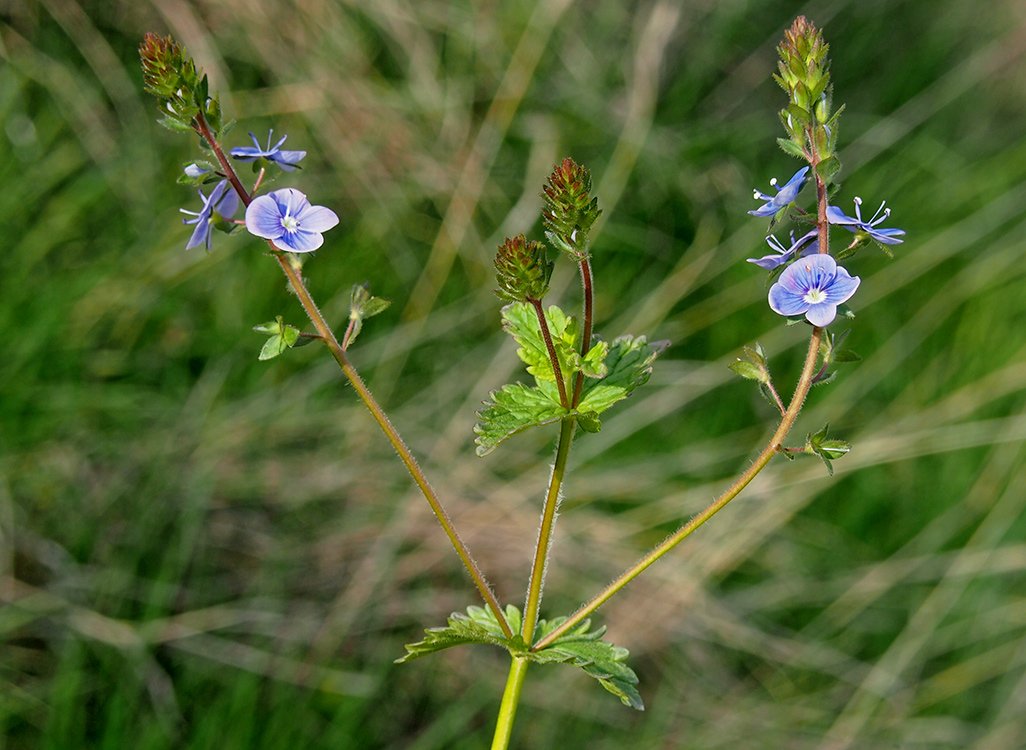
(593, 363)
(629, 364)
(478, 625)
(513, 409)
(599, 659)
(520, 320)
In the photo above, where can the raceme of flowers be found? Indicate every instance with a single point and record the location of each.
(285, 217)
(813, 284)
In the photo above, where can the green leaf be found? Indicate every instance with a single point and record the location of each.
(582, 647)
(513, 409)
(520, 320)
(629, 365)
(478, 625)
(593, 364)
(827, 449)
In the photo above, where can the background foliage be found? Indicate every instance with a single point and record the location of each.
(200, 550)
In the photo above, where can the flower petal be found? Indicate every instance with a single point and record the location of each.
(821, 314)
(300, 242)
(317, 219)
(837, 216)
(228, 205)
(888, 236)
(842, 288)
(785, 302)
(245, 153)
(290, 201)
(263, 217)
(200, 235)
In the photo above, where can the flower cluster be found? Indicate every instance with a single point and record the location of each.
(809, 281)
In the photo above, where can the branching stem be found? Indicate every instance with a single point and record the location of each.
(325, 333)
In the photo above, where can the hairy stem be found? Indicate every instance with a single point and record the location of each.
(510, 700)
(548, 521)
(325, 332)
(557, 371)
(786, 423)
(589, 297)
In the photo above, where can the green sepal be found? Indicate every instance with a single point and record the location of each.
(204, 179)
(281, 338)
(828, 168)
(174, 124)
(791, 148)
(828, 450)
(753, 366)
(363, 305)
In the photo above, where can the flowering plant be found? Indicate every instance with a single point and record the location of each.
(577, 375)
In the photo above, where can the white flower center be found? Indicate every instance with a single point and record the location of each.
(814, 296)
(289, 223)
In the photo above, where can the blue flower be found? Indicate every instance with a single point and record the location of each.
(287, 219)
(223, 201)
(784, 197)
(885, 236)
(287, 160)
(784, 254)
(814, 286)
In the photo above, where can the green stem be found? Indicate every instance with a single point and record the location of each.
(786, 423)
(510, 700)
(548, 521)
(405, 455)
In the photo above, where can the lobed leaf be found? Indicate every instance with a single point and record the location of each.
(513, 409)
(628, 365)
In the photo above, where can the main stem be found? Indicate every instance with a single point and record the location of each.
(328, 336)
(510, 701)
(548, 521)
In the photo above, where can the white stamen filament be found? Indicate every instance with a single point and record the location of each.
(814, 296)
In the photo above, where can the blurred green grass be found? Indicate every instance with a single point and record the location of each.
(201, 550)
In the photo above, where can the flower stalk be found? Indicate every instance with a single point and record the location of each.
(377, 413)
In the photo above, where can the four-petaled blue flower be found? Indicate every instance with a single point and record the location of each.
(222, 200)
(885, 236)
(784, 197)
(815, 286)
(287, 160)
(784, 254)
(287, 219)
